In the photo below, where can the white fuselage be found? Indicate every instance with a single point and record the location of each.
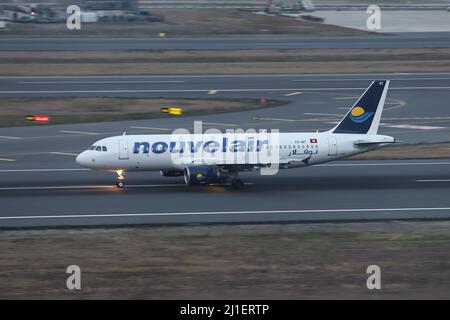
(175, 152)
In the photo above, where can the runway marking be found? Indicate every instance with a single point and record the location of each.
(199, 213)
(206, 90)
(342, 98)
(64, 153)
(78, 132)
(93, 187)
(367, 79)
(318, 165)
(211, 92)
(287, 120)
(98, 82)
(411, 126)
(10, 138)
(382, 164)
(220, 124)
(324, 114)
(151, 128)
(293, 94)
(435, 180)
(109, 186)
(232, 75)
(42, 170)
(8, 160)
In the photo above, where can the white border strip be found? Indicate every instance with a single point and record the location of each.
(203, 213)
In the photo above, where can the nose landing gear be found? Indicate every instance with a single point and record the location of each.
(120, 177)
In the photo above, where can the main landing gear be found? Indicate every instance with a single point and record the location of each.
(237, 184)
(120, 177)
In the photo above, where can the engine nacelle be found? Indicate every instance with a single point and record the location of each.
(203, 174)
(166, 173)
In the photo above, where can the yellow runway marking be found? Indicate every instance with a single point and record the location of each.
(5, 159)
(78, 132)
(11, 138)
(151, 128)
(64, 153)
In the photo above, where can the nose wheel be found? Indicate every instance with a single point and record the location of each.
(120, 177)
(120, 184)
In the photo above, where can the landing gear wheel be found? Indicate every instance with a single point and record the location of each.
(237, 184)
(120, 184)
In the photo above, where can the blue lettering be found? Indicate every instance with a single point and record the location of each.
(138, 145)
(238, 146)
(211, 146)
(260, 143)
(196, 147)
(159, 147)
(173, 148)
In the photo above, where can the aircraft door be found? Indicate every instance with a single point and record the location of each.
(123, 150)
(332, 146)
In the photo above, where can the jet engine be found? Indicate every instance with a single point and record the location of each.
(176, 173)
(203, 174)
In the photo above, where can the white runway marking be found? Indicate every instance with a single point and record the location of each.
(78, 132)
(220, 124)
(98, 82)
(150, 128)
(7, 159)
(207, 90)
(232, 75)
(202, 213)
(412, 126)
(435, 180)
(44, 170)
(109, 186)
(293, 94)
(359, 164)
(64, 153)
(10, 138)
(382, 164)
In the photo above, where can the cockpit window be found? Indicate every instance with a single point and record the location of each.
(98, 148)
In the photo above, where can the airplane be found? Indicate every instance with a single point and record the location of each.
(216, 158)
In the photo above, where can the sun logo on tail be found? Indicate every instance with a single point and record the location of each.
(359, 115)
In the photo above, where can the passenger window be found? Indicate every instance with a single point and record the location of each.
(104, 148)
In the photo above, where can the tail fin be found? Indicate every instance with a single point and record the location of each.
(364, 116)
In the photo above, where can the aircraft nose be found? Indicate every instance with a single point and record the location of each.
(82, 159)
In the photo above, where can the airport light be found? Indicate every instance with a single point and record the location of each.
(173, 111)
(38, 118)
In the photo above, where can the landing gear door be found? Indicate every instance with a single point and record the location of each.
(123, 150)
(332, 146)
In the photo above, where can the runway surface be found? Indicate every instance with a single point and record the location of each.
(339, 191)
(42, 186)
(375, 41)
